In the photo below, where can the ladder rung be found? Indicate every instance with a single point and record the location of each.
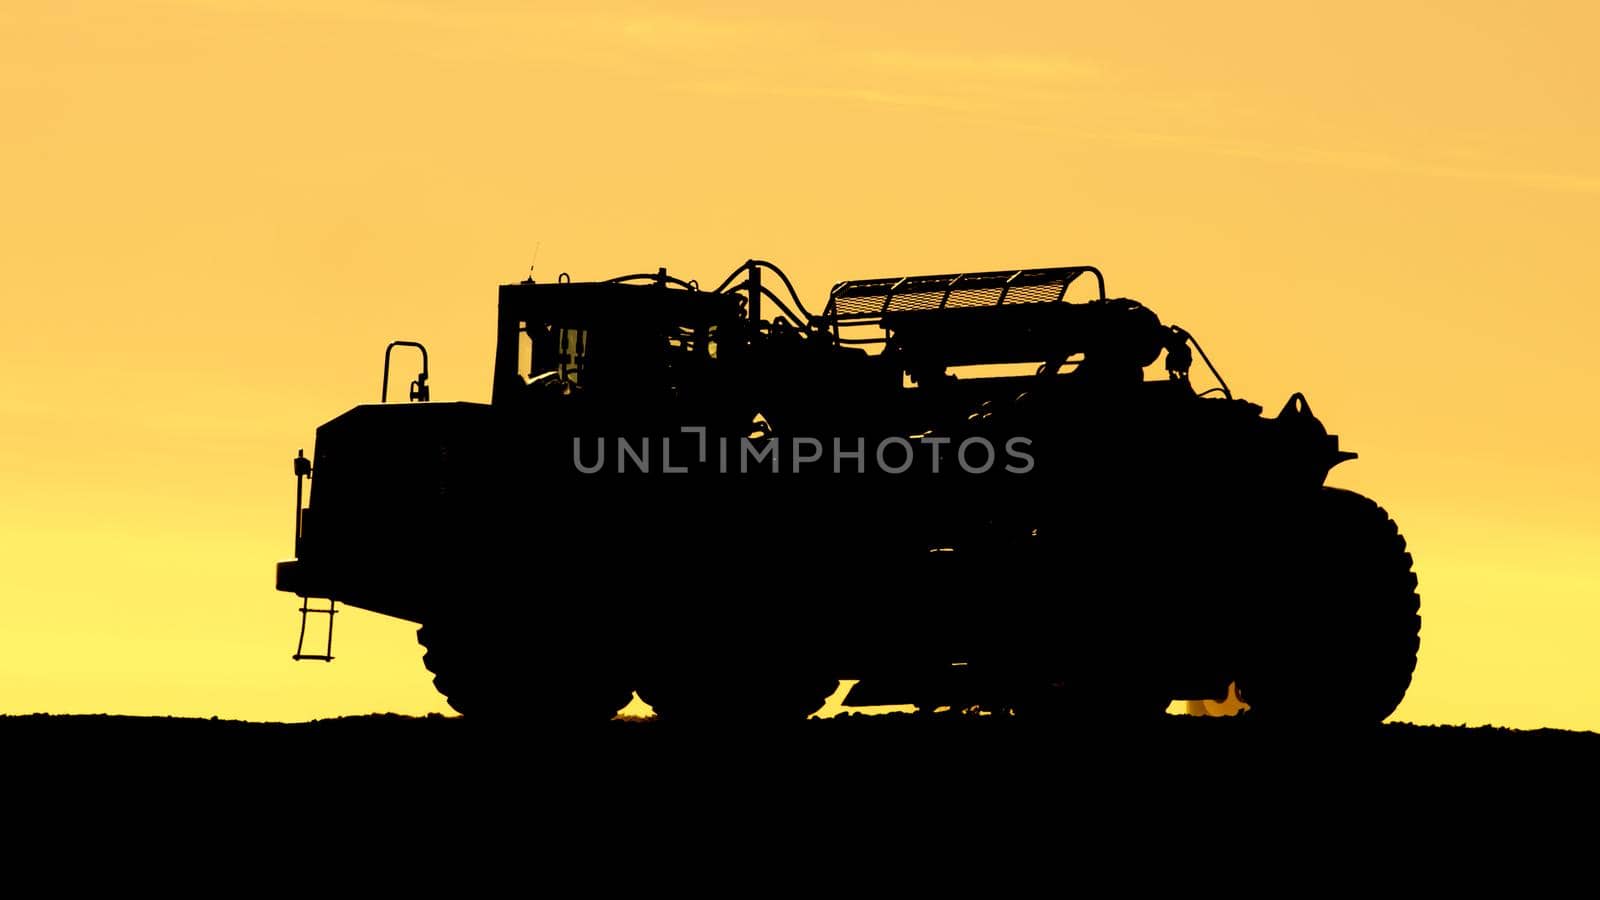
(307, 609)
(300, 656)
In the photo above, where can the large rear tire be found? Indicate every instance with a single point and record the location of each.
(1338, 642)
(483, 676)
(1120, 699)
(768, 698)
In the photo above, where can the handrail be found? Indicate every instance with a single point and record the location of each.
(419, 388)
(661, 278)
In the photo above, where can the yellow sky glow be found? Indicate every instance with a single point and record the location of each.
(217, 213)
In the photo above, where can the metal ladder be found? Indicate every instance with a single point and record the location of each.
(306, 611)
(302, 471)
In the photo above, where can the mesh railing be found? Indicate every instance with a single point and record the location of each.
(871, 298)
(866, 302)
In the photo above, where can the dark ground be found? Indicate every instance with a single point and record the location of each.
(893, 789)
(889, 753)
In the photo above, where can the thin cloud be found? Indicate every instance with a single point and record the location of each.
(1361, 160)
(998, 66)
(866, 96)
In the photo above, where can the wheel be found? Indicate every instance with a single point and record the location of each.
(1341, 642)
(1092, 702)
(708, 697)
(486, 676)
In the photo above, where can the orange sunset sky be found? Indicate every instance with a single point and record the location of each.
(214, 214)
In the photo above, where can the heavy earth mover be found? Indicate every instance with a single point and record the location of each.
(961, 490)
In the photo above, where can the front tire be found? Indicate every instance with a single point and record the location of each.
(1338, 639)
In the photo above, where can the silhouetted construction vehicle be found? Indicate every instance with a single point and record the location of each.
(961, 490)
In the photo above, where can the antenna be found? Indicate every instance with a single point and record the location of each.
(534, 262)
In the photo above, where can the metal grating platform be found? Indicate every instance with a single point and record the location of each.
(851, 301)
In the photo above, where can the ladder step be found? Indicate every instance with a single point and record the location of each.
(300, 656)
